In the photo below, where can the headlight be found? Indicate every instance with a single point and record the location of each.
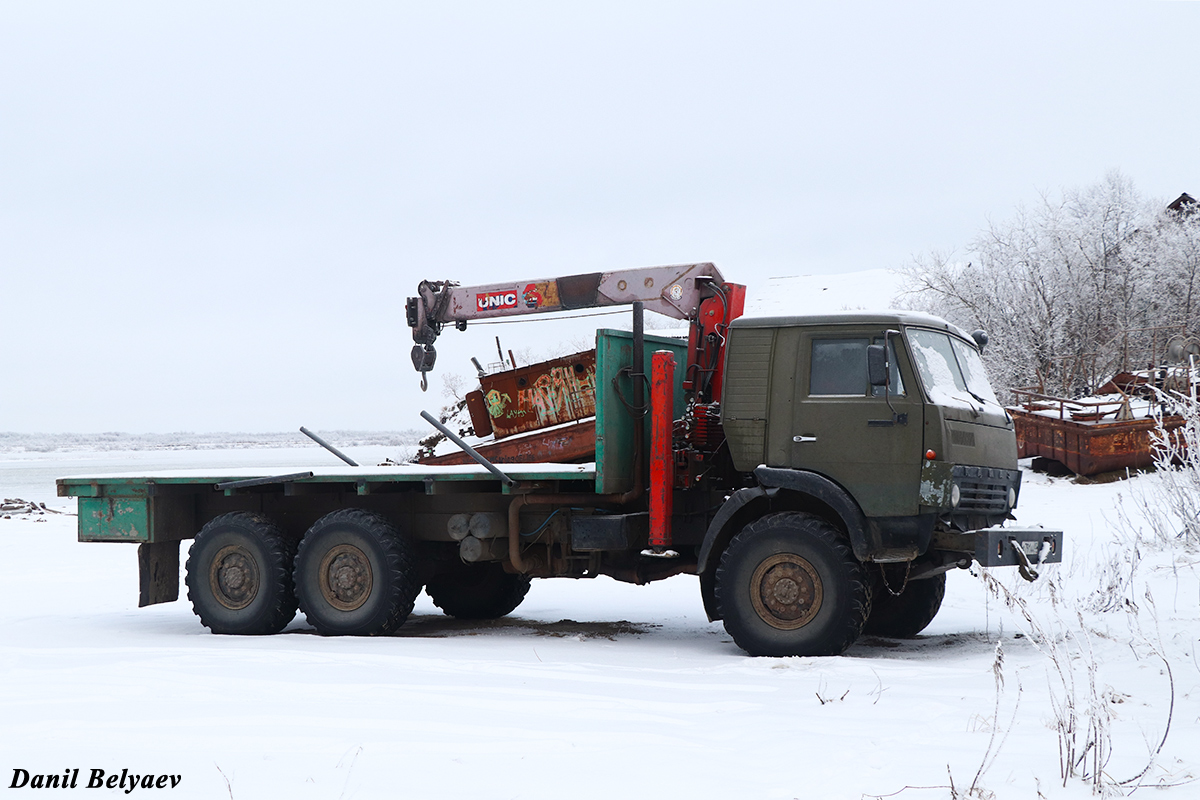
(1012, 497)
(955, 496)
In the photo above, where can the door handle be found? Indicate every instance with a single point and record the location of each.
(803, 439)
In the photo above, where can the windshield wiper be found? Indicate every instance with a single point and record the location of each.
(974, 411)
(977, 397)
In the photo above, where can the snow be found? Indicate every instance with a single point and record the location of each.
(789, 295)
(1139, 408)
(31, 474)
(591, 689)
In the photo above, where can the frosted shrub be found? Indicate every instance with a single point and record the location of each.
(1081, 719)
(1168, 502)
(1176, 514)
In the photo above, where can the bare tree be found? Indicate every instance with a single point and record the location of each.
(1069, 288)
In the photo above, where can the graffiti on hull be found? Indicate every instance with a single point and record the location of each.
(537, 396)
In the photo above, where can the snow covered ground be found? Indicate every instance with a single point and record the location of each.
(591, 689)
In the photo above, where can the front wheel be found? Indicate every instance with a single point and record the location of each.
(789, 585)
(239, 575)
(355, 575)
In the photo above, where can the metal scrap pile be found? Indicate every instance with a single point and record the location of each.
(16, 505)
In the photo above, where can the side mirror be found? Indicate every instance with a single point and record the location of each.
(877, 366)
(981, 338)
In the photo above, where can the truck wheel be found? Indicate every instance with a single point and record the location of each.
(239, 575)
(355, 575)
(789, 585)
(477, 591)
(905, 616)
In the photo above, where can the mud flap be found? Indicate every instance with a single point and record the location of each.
(158, 573)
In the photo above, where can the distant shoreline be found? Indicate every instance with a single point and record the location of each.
(71, 442)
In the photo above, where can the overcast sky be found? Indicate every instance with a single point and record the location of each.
(211, 213)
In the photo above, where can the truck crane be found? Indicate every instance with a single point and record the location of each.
(693, 292)
(696, 293)
(820, 474)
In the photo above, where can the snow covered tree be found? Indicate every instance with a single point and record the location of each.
(1067, 290)
(1173, 294)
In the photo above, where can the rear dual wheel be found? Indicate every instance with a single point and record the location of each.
(355, 575)
(239, 575)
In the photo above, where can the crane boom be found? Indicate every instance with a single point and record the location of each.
(677, 290)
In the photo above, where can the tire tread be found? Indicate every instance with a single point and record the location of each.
(280, 553)
(399, 563)
(790, 523)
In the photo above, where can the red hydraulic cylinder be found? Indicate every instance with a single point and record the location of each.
(662, 456)
(706, 342)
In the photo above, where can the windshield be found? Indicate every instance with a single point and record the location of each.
(951, 370)
(973, 372)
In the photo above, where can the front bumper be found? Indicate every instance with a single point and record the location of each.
(1004, 547)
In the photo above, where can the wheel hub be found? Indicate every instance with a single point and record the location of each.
(233, 577)
(786, 591)
(345, 577)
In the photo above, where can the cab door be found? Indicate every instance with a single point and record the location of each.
(843, 428)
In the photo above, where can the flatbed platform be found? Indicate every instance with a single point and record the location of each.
(169, 505)
(83, 485)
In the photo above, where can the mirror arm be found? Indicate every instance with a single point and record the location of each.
(887, 373)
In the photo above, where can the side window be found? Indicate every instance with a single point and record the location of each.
(839, 366)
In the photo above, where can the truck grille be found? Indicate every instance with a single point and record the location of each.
(984, 490)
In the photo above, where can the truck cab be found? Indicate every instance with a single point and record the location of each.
(912, 464)
(799, 397)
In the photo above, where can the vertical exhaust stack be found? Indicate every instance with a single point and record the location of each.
(662, 455)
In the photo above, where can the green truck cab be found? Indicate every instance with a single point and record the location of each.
(895, 472)
(847, 463)
(802, 400)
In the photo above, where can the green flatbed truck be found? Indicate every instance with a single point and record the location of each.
(820, 474)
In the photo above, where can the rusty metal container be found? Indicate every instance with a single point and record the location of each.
(1088, 447)
(535, 397)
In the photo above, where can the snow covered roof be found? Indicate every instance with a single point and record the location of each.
(887, 317)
